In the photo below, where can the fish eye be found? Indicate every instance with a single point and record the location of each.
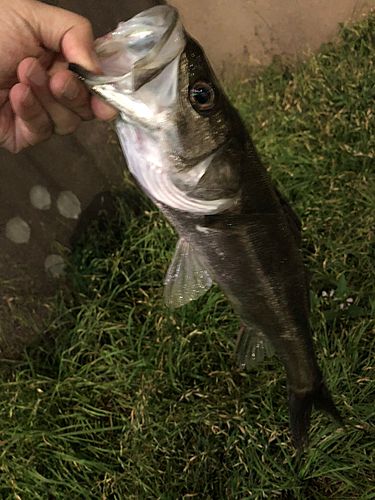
(202, 96)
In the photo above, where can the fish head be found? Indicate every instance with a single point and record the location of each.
(171, 106)
(133, 55)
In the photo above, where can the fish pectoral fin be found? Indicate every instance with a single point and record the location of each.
(187, 277)
(221, 178)
(252, 347)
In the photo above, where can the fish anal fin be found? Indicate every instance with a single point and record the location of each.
(187, 277)
(252, 347)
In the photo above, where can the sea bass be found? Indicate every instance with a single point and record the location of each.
(190, 152)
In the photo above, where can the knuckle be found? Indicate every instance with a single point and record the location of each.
(68, 127)
(84, 112)
(39, 124)
(85, 24)
(42, 133)
(32, 114)
(44, 130)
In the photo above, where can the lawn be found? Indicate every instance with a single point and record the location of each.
(125, 399)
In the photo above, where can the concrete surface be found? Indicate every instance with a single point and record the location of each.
(238, 34)
(48, 194)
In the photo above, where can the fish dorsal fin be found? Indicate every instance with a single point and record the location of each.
(292, 218)
(252, 347)
(187, 277)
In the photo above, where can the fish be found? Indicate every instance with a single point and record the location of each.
(191, 153)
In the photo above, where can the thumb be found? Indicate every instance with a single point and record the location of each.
(68, 33)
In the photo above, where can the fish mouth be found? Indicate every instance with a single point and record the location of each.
(137, 51)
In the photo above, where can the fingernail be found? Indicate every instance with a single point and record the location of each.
(113, 118)
(109, 114)
(71, 90)
(37, 75)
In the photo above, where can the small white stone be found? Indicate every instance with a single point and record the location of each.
(55, 265)
(40, 198)
(69, 205)
(17, 230)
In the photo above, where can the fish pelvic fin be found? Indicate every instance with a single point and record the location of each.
(252, 347)
(300, 409)
(187, 277)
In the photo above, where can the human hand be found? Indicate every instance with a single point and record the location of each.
(38, 94)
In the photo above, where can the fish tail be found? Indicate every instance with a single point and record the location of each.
(300, 408)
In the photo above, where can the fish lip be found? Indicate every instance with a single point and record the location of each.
(93, 80)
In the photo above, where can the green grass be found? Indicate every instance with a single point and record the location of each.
(125, 400)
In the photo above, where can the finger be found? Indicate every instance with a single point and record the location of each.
(102, 110)
(33, 124)
(66, 32)
(71, 93)
(31, 73)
